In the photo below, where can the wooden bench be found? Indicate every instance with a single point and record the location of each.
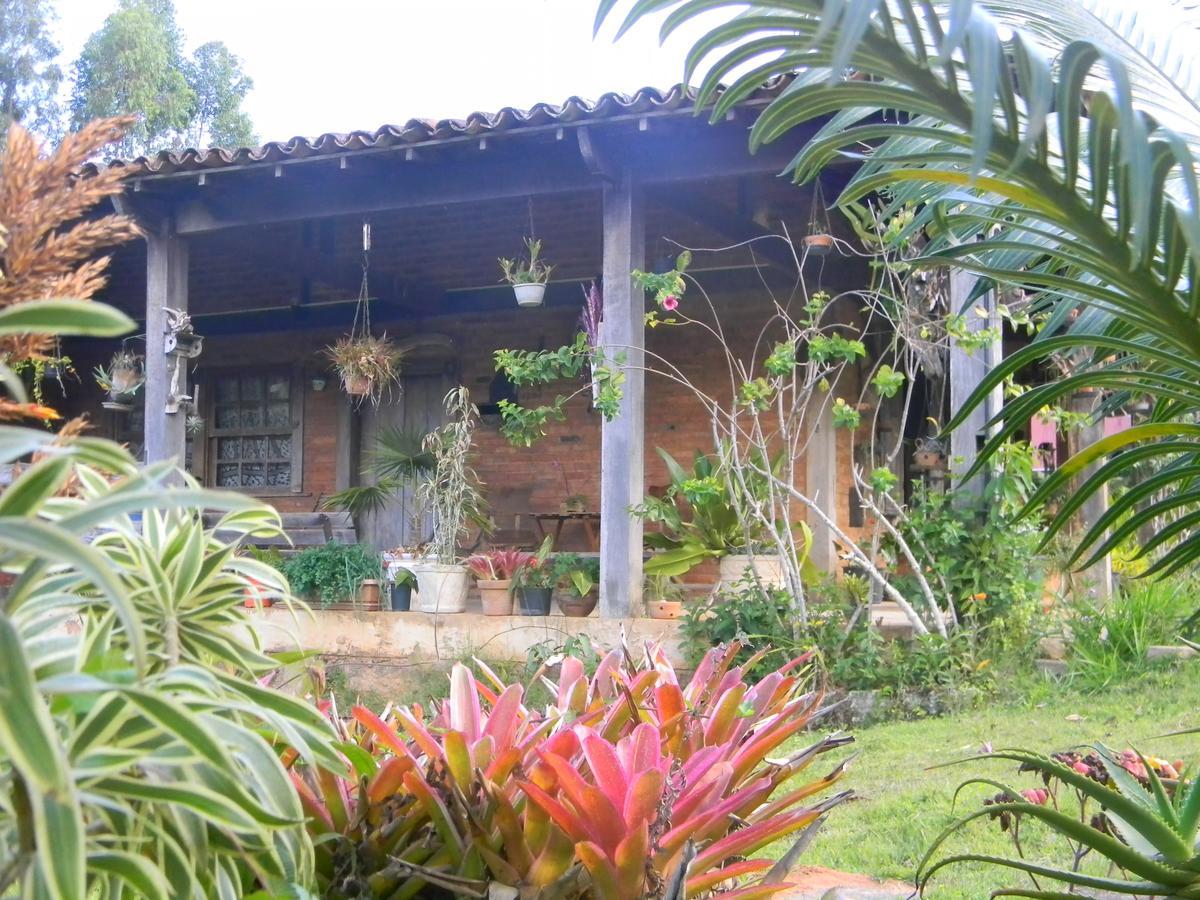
(301, 530)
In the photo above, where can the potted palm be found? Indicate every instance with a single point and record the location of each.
(367, 365)
(494, 572)
(452, 493)
(121, 378)
(578, 579)
(527, 275)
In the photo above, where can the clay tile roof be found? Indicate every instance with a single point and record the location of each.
(478, 124)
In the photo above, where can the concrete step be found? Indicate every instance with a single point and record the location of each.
(891, 621)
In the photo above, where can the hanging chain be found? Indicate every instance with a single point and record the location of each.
(362, 309)
(532, 232)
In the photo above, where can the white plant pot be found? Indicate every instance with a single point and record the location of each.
(769, 570)
(529, 294)
(440, 589)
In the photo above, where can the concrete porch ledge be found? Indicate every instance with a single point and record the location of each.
(415, 636)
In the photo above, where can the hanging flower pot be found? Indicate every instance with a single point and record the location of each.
(122, 379)
(531, 293)
(367, 365)
(356, 385)
(818, 244)
(930, 455)
(819, 240)
(528, 275)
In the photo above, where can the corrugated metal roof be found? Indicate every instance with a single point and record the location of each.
(575, 110)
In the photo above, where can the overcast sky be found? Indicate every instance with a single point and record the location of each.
(337, 65)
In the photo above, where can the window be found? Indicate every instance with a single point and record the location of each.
(254, 432)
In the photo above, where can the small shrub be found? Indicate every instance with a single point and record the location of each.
(331, 573)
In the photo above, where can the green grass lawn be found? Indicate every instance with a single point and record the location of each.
(904, 804)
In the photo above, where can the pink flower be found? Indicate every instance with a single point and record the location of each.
(1036, 796)
(1081, 767)
(670, 302)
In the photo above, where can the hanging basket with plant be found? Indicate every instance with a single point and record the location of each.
(528, 275)
(121, 378)
(368, 365)
(819, 240)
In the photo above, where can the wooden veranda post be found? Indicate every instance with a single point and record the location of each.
(968, 368)
(623, 439)
(820, 465)
(166, 286)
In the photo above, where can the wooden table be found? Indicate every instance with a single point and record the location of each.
(589, 520)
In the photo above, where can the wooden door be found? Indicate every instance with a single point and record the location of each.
(418, 409)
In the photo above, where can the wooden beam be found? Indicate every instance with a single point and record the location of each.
(967, 371)
(287, 200)
(735, 228)
(622, 441)
(166, 286)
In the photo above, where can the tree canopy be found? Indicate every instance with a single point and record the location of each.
(135, 64)
(29, 72)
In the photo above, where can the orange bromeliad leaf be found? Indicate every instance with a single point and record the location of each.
(310, 802)
(502, 722)
(605, 883)
(709, 880)
(630, 861)
(644, 798)
(381, 729)
(458, 759)
(606, 769)
(562, 817)
(554, 860)
(388, 778)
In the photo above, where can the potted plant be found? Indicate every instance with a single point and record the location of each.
(699, 521)
(121, 378)
(664, 597)
(336, 576)
(527, 275)
(494, 572)
(404, 585)
(367, 365)
(578, 579)
(535, 582)
(452, 493)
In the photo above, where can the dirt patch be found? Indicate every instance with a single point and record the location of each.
(819, 883)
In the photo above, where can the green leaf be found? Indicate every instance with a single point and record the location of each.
(67, 317)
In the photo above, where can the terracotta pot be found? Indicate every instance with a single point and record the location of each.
(818, 244)
(664, 609)
(576, 607)
(529, 294)
(356, 385)
(534, 601)
(370, 597)
(496, 597)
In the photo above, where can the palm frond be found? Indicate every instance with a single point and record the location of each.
(1032, 158)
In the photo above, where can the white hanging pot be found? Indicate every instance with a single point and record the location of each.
(530, 293)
